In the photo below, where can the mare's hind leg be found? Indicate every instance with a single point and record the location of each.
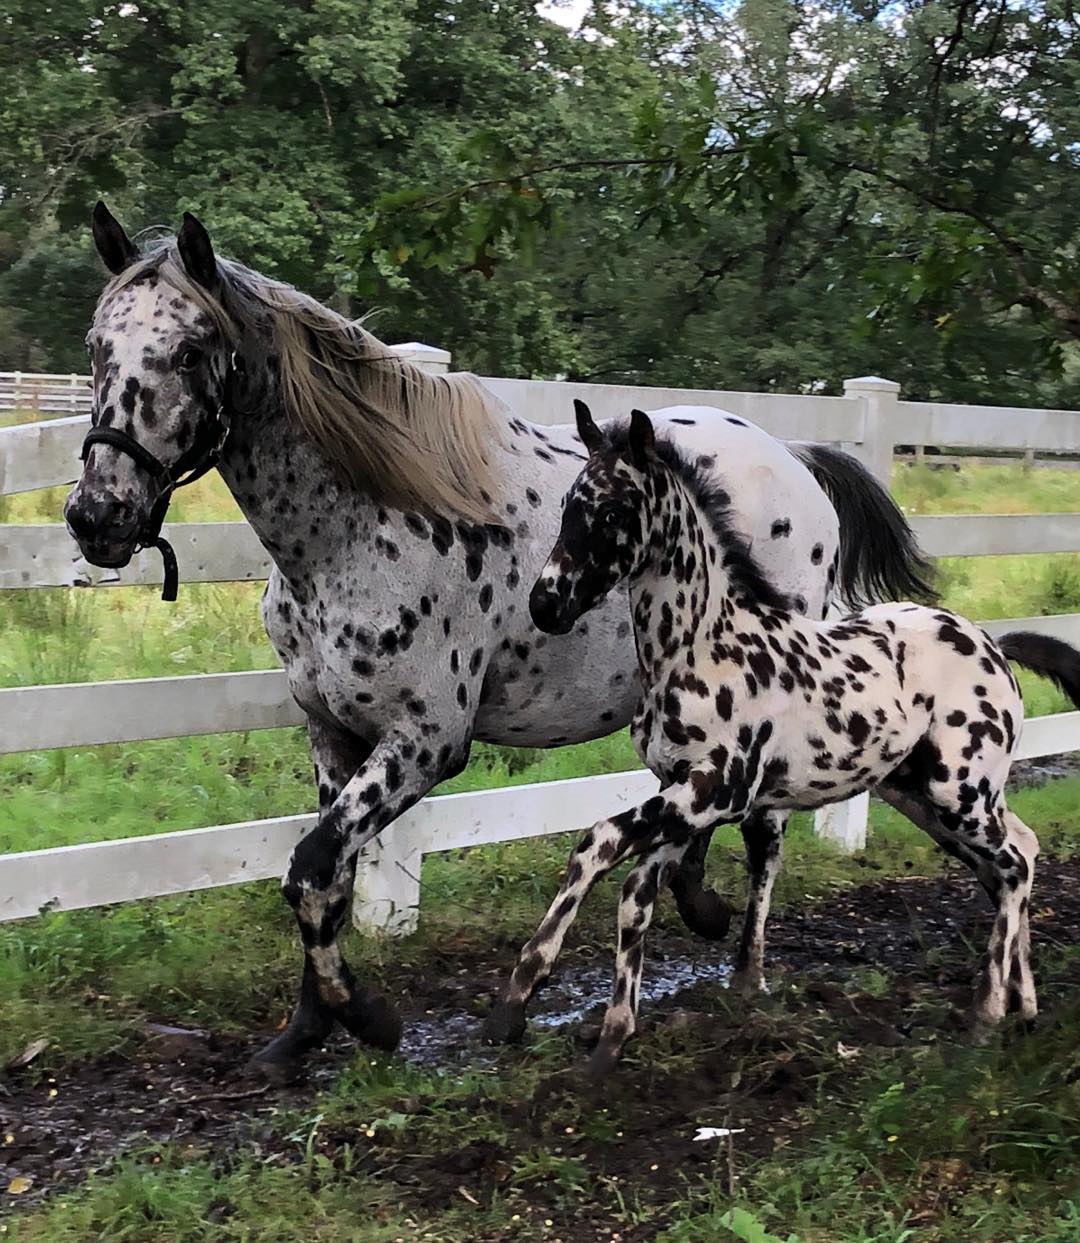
(702, 909)
(763, 834)
(319, 883)
(639, 894)
(1001, 850)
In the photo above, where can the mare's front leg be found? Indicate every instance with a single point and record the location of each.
(318, 885)
(336, 756)
(701, 908)
(674, 814)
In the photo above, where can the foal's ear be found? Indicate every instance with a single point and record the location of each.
(591, 436)
(116, 249)
(197, 252)
(642, 438)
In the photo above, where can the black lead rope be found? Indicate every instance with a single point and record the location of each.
(167, 479)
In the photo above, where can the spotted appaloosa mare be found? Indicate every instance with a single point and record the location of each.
(750, 708)
(407, 516)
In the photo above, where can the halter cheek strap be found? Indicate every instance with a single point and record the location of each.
(203, 456)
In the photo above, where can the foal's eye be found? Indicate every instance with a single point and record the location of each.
(189, 358)
(610, 518)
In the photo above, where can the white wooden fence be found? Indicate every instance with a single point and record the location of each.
(867, 420)
(33, 392)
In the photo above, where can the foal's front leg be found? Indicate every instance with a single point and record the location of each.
(676, 812)
(318, 886)
(763, 834)
(636, 908)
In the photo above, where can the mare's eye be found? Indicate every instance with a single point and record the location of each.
(189, 358)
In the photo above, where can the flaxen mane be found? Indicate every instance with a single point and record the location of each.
(405, 438)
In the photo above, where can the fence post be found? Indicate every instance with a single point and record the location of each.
(387, 894)
(845, 823)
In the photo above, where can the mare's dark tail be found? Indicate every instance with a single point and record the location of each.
(880, 558)
(1053, 658)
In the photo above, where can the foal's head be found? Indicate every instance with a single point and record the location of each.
(160, 351)
(602, 538)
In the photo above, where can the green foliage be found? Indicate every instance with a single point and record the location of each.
(765, 195)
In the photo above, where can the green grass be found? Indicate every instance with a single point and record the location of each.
(227, 959)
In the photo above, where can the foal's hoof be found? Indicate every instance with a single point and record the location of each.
(602, 1061)
(505, 1024)
(705, 913)
(371, 1019)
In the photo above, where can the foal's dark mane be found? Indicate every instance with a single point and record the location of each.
(710, 496)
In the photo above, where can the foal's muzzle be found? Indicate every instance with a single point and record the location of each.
(550, 612)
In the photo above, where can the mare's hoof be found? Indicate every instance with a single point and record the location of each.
(705, 913)
(505, 1024)
(279, 1071)
(371, 1019)
(280, 1060)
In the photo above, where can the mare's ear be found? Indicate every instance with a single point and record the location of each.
(116, 249)
(197, 252)
(591, 436)
(642, 438)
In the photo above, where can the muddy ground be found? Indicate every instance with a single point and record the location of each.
(190, 1088)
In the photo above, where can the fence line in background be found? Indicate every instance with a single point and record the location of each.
(869, 420)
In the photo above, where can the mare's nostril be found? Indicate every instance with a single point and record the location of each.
(97, 520)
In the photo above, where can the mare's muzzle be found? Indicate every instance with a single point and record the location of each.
(108, 530)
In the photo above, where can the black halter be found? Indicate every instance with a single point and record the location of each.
(203, 456)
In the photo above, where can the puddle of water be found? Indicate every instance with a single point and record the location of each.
(454, 1035)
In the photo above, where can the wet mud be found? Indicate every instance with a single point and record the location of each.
(190, 1088)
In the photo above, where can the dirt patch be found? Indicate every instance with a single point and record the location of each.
(721, 1061)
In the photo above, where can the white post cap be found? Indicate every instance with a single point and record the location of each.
(870, 384)
(429, 357)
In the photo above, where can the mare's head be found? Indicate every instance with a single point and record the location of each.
(602, 538)
(160, 347)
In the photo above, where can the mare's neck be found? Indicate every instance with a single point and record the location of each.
(283, 483)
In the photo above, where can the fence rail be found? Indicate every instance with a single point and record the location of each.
(46, 394)
(868, 420)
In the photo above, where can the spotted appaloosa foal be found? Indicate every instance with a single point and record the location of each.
(749, 707)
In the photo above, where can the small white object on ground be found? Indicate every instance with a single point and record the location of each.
(717, 1132)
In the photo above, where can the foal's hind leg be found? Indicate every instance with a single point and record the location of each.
(1001, 850)
(1008, 983)
(763, 834)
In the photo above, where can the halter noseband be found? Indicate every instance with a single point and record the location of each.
(203, 456)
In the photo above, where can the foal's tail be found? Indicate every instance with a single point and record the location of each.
(880, 558)
(1053, 658)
